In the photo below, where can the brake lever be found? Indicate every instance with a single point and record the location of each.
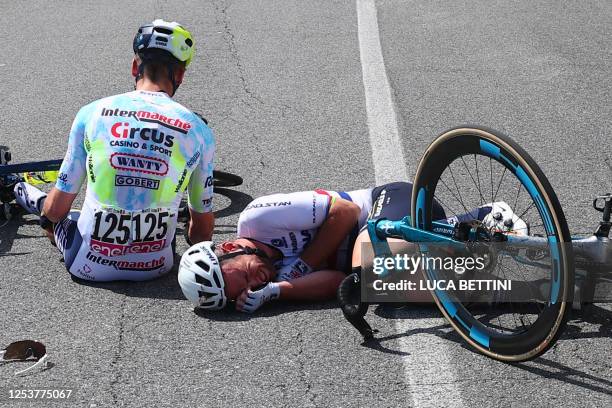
(604, 225)
(607, 198)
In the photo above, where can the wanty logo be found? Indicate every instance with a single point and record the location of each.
(139, 163)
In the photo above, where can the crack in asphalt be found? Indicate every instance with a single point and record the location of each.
(275, 108)
(221, 8)
(607, 161)
(302, 372)
(224, 19)
(114, 364)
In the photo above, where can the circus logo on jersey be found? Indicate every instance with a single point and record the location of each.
(122, 130)
(139, 163)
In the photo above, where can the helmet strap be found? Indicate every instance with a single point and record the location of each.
(140, 73)
(170, 69)
(171, 77)
(244, 251)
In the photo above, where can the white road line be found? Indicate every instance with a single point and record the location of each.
(389, 163)
(428, 360)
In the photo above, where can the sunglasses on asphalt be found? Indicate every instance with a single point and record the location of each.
(26, 350)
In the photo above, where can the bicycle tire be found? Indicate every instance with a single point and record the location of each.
(225, 179)
(544, 332)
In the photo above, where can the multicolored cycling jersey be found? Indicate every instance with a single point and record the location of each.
(289, 222)
(139, 152)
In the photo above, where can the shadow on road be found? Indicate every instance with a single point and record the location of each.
(9, 232)
(230, 314)
(238, 200)
(597, 318)
(164, 287)
(552, 369)
(409, 311)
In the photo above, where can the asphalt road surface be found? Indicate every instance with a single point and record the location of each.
(281, 84)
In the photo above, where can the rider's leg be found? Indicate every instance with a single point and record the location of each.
(68, 238)
(497, 215)
(29, 197)
(365, 260)
(392, 201)
(65, 233)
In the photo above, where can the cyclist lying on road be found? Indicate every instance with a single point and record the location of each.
(297, 246)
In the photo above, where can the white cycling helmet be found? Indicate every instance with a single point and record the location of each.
(200, 277)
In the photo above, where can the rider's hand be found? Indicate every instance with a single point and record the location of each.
(249, 301)
(294, 270)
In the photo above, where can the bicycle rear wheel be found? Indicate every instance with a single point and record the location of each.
(469, 168)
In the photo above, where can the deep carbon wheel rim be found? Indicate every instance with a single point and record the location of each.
(478, 335)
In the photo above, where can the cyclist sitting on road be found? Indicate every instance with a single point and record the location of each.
(139, 152)
(296, 246)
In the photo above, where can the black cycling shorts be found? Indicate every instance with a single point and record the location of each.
(392, 201)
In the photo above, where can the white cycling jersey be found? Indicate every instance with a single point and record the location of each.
(288, 222)
(139, 152)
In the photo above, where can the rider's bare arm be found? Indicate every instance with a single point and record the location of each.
(319, 285)
(57, 205)
(316, 286)
(71, 174)
(201, 226)
(342, 217)
(200, 195)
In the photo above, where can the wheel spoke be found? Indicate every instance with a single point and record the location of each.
(470, 174)
(453, 194)
(499, 185)
(491, 167)
(450, 169)
(443, 204)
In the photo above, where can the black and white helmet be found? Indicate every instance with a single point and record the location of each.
(170, 37)
(200, 277)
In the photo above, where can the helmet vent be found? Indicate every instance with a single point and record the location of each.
(163, 30)
(203, 265)
(202, 281)
(216, 278)
(207, 303)
(189, 42)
